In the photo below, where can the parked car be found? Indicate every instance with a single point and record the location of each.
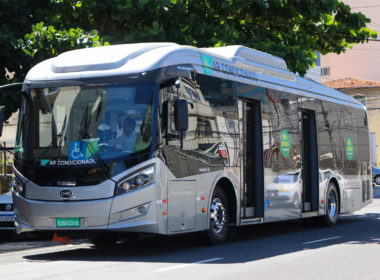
(375, 176)
(7, 216)
(285, 187)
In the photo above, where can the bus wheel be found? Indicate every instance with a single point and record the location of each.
(219, 218)
(332, 206)
(103, 240)
(377, 180)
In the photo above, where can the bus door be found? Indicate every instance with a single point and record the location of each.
(252, 160)
(310, 194)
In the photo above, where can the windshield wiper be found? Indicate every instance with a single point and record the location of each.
(59, 137)
(94, 152)
(83, 125)
(56, 141)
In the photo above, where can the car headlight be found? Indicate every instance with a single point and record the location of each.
(17, 186)
(136, 180)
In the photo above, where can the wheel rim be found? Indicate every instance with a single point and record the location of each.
(332, 204)
(217, 215)
(377, 180)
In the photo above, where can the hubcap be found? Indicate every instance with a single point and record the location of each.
(332, 204)
(217, 215)
(377, 180)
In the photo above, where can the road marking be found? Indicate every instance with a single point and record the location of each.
(189, 264)
(46, 250)
(324, 239)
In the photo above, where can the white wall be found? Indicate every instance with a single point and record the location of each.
(363, 61)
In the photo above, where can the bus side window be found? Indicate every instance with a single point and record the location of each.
(166, 111)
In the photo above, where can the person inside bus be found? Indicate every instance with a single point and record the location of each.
(126, 141)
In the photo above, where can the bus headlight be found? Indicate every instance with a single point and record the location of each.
(137, 180)
(17, 187)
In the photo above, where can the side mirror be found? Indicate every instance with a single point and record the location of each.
(2, 113)
(181, 115)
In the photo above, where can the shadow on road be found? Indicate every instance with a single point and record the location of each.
(252, 243)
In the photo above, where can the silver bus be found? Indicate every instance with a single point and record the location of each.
(168, 139)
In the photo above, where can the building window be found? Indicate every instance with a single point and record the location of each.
(361, 99)
(325, 71)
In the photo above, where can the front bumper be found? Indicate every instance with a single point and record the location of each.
(121, 213)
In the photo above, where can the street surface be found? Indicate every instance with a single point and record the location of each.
(287, 250)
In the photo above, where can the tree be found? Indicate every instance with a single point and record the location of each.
(292, 29)
(25, 40)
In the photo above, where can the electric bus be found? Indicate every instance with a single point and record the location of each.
(168, 139)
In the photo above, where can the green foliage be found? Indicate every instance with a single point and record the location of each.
(25, 39)
(11, 101)
(46, 41)
(5, 183)
(293, 29)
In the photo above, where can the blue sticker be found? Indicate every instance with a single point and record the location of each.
(206, 63)
(44, 162)
(77, 150)
(266, 205)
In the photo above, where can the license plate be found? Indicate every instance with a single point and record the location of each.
(68, 222)
(7, 218)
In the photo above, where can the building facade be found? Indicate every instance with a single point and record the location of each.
(368, 93)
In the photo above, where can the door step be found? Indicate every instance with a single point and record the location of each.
(252, 221)
(309, 214)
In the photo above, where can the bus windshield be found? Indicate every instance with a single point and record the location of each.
(76, 126)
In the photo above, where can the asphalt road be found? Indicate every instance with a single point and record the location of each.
(287, 250)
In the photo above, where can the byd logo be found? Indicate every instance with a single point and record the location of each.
(66, 193)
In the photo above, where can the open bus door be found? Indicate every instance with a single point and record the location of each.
(252, 164)
(310, 196)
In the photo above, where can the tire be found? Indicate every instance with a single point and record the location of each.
(332, 206)
(219, 218)
(377, 180)
(104, 240)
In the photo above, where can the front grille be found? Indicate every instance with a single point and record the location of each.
(7, 224)
(3, 207)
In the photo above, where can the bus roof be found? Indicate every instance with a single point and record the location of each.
(233, 62)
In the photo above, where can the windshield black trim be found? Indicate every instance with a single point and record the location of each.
(154, 124)
(131, 79)
(131, 159)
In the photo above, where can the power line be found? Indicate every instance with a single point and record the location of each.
(365, 7)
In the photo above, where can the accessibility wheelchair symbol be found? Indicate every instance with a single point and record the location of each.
(77, 150)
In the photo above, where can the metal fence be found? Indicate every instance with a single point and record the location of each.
(6, 157)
